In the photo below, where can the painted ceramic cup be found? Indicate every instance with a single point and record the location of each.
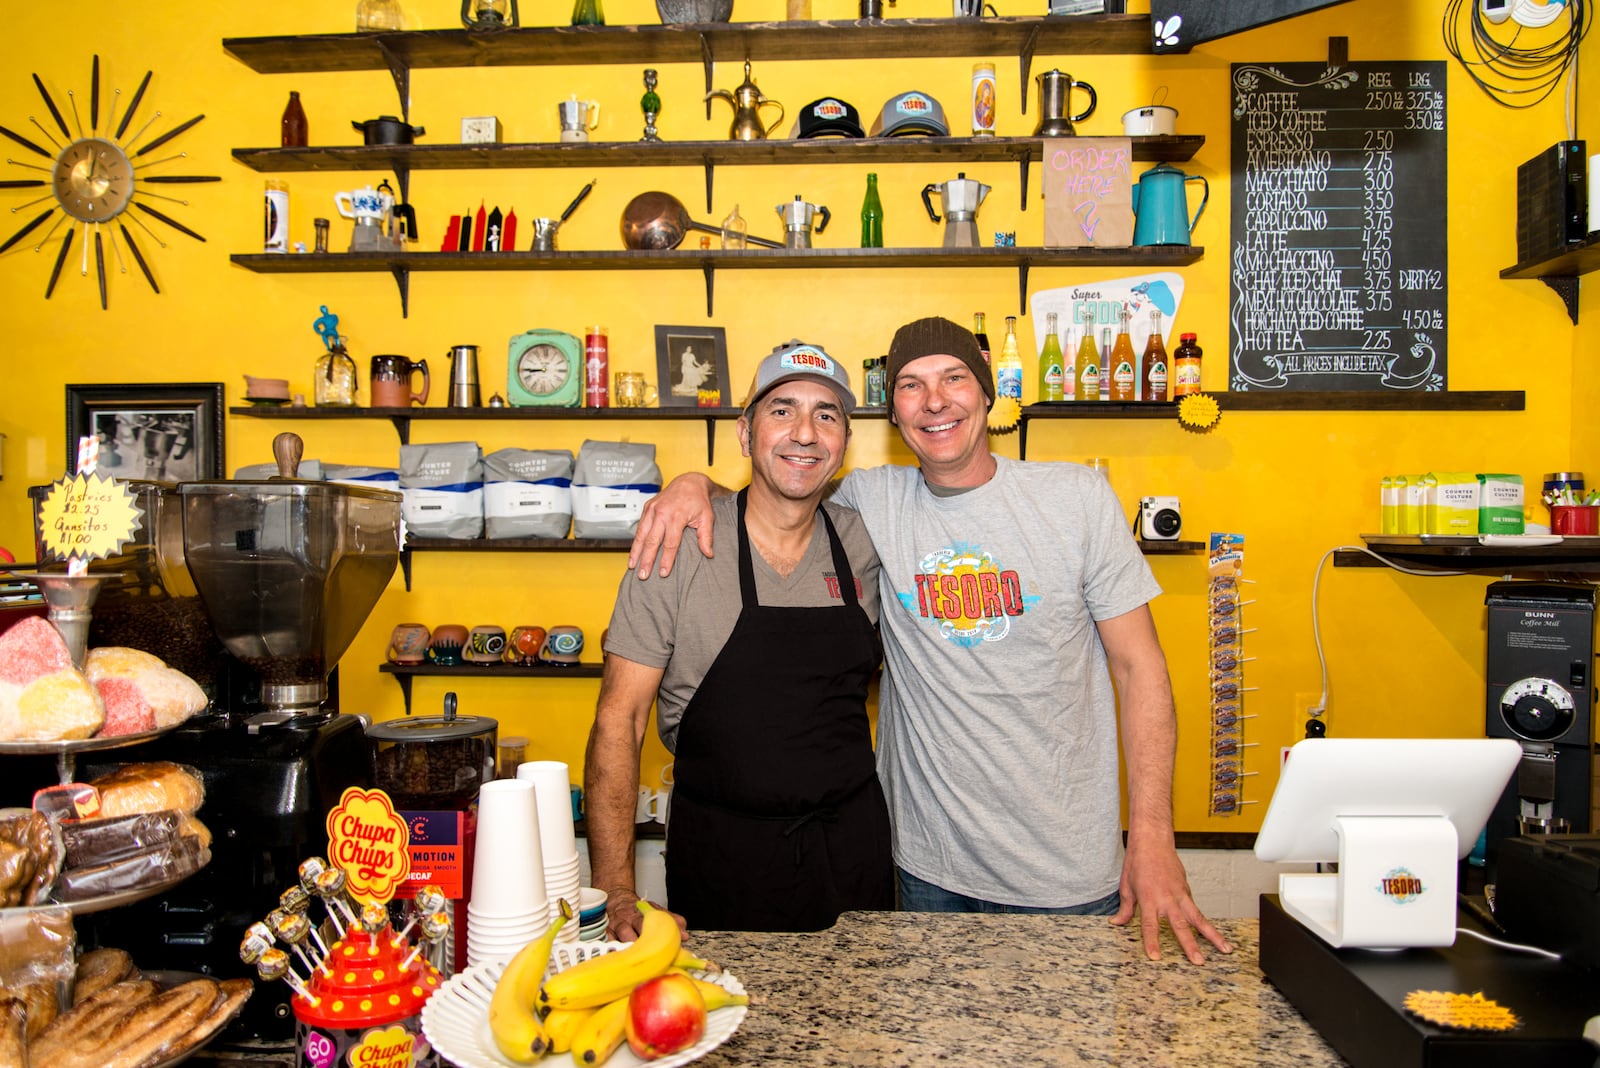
(486, 644)
(523, 645)
(408, 644)
(561, 647)
(448, 641)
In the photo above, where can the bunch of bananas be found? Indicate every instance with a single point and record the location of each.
(584, 1009)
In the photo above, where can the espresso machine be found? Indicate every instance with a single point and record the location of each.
(287, 571)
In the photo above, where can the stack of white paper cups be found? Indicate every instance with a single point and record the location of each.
(509, 906)
(553, 794)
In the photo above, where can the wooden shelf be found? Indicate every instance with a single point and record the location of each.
(709, 261)
(405, 673)
(1435, 553)
(696, 43)
(402, 418)
(403, 159)
(506, 545)
(1170, 548)
(1560, 270)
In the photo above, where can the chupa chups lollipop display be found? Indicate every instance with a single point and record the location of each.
(360, 1003)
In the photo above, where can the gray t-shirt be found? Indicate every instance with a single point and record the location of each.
(681, 622)
(997, 730)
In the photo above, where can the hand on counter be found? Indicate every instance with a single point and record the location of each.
(1155, 885)
(623, 916)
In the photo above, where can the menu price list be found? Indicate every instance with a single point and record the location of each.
(1339, 230)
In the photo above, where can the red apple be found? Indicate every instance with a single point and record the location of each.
(665, 1014)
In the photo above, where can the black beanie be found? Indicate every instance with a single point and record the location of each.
(935, 336)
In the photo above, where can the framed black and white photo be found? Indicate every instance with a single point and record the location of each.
(692, 366)
(163, 433)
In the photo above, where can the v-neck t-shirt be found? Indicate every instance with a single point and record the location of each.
(681, 622)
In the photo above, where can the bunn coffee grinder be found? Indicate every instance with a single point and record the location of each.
(287, 572)
(1540, 692)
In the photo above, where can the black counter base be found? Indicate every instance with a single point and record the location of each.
(1353, 998)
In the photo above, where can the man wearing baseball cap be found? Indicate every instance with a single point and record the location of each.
(1015, 595)
(758, 660)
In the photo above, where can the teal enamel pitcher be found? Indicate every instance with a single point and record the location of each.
(1161, 206)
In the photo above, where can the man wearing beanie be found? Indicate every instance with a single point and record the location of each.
(1013, 595)
(778, 820)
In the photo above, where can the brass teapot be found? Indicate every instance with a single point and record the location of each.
(747, 103)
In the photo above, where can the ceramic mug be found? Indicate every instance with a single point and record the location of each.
(561, 647)
(486, 644)
(1574, 519)
(523, 645)
(448, 641)
(408, 643)
(391, 381)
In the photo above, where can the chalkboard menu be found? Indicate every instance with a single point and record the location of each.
(1338, 270)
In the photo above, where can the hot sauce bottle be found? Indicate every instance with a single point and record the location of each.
(1186, 367)
(1155, 362)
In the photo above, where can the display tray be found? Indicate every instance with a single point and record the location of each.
(81, 745)
(128, 897)
(456, 1018)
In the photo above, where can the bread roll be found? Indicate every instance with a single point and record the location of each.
(13, 1040)
(158, 691)
(98, 969)
(30, 648)
(60, 706)
(149, 787)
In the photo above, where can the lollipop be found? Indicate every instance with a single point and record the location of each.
(435, 927)
(374, 917)
(293, 929)
(257, 941)
(294, 899)
(274, 964)
(330, 887)
(429, 899)
(310, 868)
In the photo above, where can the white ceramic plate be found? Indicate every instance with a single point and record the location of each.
(456, 1018)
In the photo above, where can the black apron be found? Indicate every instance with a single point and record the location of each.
(778, 821)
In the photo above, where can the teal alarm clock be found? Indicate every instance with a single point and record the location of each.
(545, 369)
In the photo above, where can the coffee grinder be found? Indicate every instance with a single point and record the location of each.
(1540, 692)
(287, 572)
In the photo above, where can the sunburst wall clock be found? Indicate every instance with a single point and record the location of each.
(93, 178)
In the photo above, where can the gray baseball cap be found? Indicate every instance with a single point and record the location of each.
(796, 359)
(910, 113)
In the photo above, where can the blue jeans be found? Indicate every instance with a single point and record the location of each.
(917, 895)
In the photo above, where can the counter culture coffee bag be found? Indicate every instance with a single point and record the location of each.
(443, 489)
(612, 481)
(527, 493)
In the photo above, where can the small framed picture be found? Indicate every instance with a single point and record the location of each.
(692, 366)
(163, 433)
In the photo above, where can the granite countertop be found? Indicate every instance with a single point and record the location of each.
(899, 988)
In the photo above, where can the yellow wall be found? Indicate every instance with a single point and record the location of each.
(1405, 654)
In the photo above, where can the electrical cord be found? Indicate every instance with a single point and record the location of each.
(1511, 71)
(1321, 706)
(1514, 946)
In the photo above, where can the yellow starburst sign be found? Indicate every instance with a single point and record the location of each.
(1469, 1012)
(88, 517)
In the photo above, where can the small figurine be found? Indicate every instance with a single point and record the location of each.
(651, 104)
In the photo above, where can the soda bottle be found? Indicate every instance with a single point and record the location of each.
(872, 216)
(1186, 367)
(294, 123)
(1155, 362)
(1124, 382)
(1105, 363)
(1050, 363)
(1087, 371)
(978, 332)
(1008, 369)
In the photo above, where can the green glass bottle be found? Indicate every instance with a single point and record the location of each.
(588, 13)
(1051, 375)
(872, 216)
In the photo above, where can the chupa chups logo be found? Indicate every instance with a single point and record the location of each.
(913, 104)
(1400, 886)
(369, 840)
(829, 109)
(391, 1047)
